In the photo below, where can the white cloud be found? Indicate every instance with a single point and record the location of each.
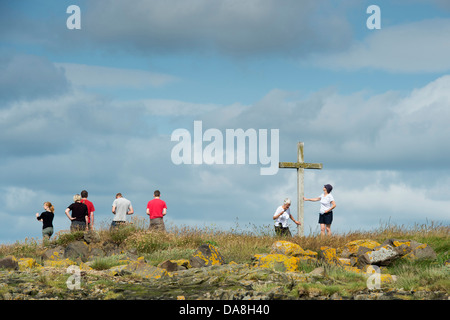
(18, 197)
(98, 76)
(412, 47)
(231, 27)
(167, 107)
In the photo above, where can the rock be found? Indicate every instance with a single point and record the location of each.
(380, 256)
(320, 271)
(206, 255)
(354, 258)
(169, 265)
(376, 279)
(278, 262)
(403, 247)
(110, 248)
(328, 255)
(292, 249)
(423, 251)
(183, 263)
(352, 247)
(96, 253)
(75, 250)
(9, 262)
(145, 270)
(118, 270)
(91, 236)
(345, 262)
(287, 248)
(53, 253)
(412, 250)
(138, 268)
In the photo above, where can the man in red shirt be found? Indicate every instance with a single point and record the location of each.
(157, 209)
(91, 209)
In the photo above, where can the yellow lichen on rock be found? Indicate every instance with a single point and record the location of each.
(329, 255)
(352, 247)
(278, 262)
(206, 255)
(183, 263)
(292, 249)
(287, 248)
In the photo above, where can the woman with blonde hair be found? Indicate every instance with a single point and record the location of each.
(79, 216)
(281, 217)
(47, 220)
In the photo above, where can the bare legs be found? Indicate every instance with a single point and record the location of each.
(324, 227)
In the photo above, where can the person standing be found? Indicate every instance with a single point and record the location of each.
(281, 217)
(327, 204)
(91, 209)
(79, 216)
(121, 207)
(47, 220)
(157, 209)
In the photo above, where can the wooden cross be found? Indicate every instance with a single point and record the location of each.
(300, 166)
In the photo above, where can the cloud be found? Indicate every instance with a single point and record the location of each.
(238, 28)
(97, 76)
(384, 149)
(414, 47)
(29, 77)
(391, 130)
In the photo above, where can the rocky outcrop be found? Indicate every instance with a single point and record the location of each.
(206, 255)
(77, 250)
(276, 261)
(139, 268)
(206, 275)
(352, 247)
(367, 253)
(379, 256)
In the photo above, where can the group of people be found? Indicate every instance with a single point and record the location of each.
(81, 213)
(327, 204)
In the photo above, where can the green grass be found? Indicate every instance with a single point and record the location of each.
(105, 263)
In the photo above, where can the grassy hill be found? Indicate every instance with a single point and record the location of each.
(240, 247)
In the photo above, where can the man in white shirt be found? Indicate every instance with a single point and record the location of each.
(281, 217)
(121, 207)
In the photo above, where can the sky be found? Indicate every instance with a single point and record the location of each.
(95, 108)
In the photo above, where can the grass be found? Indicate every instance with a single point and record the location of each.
(240, 246)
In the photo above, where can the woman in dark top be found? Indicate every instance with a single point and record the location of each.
(79, 216)
(47, 218)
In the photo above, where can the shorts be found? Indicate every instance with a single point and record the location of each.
(157, 224)
(326, 218)
(47, 232)
(77, 226)
(116, 224)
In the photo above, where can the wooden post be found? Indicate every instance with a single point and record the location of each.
(300, 165)
(300, 190)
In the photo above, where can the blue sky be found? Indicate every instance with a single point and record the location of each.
(95, 108)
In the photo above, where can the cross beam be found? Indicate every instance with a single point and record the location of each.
(300, 165)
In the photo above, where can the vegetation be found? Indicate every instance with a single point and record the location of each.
(240, 246)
